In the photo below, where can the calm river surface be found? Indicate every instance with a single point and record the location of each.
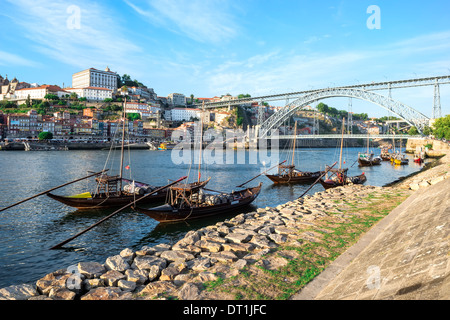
(28, 230)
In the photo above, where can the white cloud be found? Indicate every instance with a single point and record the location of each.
(99, 40)
(9, 59)
(203, 21)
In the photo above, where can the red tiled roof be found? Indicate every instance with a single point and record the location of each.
(46, 86)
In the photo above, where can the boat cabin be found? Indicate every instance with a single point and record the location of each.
(108, 185)
(286, 170)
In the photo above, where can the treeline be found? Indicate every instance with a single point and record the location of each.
(335, 113)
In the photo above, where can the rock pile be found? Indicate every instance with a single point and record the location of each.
(439, 172)
(181, 269)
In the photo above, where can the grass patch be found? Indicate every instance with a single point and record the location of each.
(333, 234)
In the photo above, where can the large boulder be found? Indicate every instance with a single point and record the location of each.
(91, 270)
(117, 263)
(146, 262)
(18, 292)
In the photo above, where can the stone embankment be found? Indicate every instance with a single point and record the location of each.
(270, 253)
(437, 171)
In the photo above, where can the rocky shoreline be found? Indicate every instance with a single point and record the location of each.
(252, 244)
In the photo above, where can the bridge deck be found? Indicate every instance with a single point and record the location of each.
(346, 136)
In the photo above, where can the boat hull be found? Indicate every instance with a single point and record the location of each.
(305, 178)
(369, 162)
(166, 213)
(328, 184)
(102, 201)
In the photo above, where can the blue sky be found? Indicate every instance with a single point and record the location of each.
(214, 47)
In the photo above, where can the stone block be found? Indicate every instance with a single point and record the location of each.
(102, 293)
(91, 269)
(18, 292)
(117, 263)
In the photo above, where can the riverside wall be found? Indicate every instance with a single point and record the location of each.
(217, 252)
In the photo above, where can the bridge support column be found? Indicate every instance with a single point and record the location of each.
(437, 101)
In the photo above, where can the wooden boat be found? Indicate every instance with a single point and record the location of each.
(165, 146)
(385, 155)
(418, 159)
(340, 177)
(114, 190)
(367, 159)
(110, 195)
(399, 159)
(186, 202)
(419, 155)
(288, 173)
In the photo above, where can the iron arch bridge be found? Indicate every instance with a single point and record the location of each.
(411, 116)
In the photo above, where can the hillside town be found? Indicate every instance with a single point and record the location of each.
(91, 109)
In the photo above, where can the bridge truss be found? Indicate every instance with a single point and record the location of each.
(360, 91)
(411, 116)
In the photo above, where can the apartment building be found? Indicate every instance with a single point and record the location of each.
(176, 99)
(95, 78)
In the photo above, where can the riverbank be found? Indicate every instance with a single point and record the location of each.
(271, 253)
(315, 143)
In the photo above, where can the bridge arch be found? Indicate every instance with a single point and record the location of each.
(411, 116)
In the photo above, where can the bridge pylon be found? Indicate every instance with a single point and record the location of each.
(437, 101)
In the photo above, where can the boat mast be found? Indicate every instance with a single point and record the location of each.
(368, 143)
(201, 141)
(342, 142)
(123, 89)
(295, 138)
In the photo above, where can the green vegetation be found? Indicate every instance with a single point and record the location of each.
(133, 116)
(332, 235)
(45, 136)
(442, 128)
(413, 131)
(125, 80)
(333, 112)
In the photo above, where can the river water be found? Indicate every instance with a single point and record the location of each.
(28, 230)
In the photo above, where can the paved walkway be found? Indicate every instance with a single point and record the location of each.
(405, 256)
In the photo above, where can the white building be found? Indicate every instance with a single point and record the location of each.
(143, 109)
(92, 93)
(95, 78)
(176, 99)
(187, 114)
(220, 116)
(143, 93)
(39, 92)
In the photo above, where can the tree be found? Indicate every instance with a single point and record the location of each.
(413, 131)
(45, 136)
(28, 102)
(427, 131)
(50, 96)
(323, 108)
(133, 116)
(73, 96)
(442, 128)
